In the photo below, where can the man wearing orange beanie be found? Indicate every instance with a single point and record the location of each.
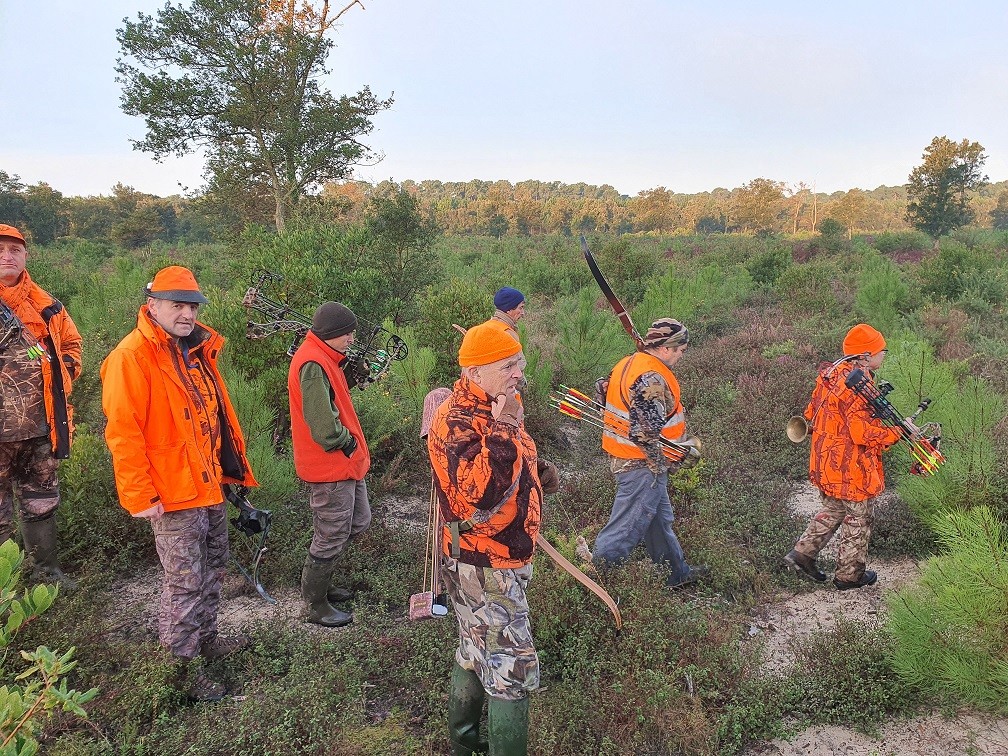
(488, 486)
(845, 464)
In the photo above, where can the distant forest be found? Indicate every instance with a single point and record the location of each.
(134, 219)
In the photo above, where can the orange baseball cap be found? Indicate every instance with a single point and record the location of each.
(12, 232)
(176, 284)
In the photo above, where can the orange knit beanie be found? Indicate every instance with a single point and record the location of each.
(863, 338)
(484, 344)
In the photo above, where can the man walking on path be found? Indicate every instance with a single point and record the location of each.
(330, 455)
(175, 441)
(845, 464)
(40, 358)
(643, 388)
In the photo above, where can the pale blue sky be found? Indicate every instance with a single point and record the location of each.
(632, 93)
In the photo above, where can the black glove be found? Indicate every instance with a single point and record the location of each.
(349, 447)
(548, 477)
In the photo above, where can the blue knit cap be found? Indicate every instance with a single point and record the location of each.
(508, 298)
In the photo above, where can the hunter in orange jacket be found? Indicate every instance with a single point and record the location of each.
(175, 442)
(845, 464)
(41, 358)
(48, 321)
(488, 486)
(158, 454)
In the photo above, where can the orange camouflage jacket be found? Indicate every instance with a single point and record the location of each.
(486, 481)
(847, 440)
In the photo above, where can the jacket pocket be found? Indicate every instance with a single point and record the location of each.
(172, 474)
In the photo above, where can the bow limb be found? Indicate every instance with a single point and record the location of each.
(586, 581)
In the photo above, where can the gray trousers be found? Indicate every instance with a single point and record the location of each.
(340, 512)
(642, 511)
(193, 547)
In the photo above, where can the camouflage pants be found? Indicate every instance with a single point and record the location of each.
(340, 512)
(193, 547)
(27, 468)
(854, 520)
(495, 637)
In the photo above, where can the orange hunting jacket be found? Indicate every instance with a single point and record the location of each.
(159, 451)
(847, 441)
(485, 475)
(49, 322)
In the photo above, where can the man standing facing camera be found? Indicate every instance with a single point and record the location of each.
(175, 441)
(330, 455)
(38, 365)
(489, 483)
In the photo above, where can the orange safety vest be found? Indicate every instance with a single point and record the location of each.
(313, 463)
(628, 370)
(845, 461)
(160, 454)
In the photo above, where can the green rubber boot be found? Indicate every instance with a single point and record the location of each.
(40, 546)
(465, 707)
(314, 584)
(509, 722)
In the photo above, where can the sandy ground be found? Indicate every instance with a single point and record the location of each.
(777, 627)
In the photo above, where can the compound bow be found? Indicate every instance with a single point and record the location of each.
(368, 358)
(251, 522)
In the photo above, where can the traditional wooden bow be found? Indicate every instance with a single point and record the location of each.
(586, 581)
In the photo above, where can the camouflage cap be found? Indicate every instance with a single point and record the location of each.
(666, 332)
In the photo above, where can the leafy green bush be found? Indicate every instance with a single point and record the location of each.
(37, 692)
(692, 292)
(590, 340)
(892, 243)
(848, 677)
(967, 410)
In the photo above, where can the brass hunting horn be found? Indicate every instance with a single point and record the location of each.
(797, 429)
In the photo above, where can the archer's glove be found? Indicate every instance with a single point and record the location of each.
(349, 447)
(548, 476)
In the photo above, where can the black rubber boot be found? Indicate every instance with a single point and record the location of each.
(868, 577)
(508, 723)
(465, 707)
(40, 546)
(338, 595)
(806, 565)
(314, 584)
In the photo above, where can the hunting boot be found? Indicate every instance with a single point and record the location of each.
(465, 707)
(508, 722)
(40, 545)
(806, 565)
(223, 645)
(868, 577)
(314, 585)
(337, 595)
(193, 683)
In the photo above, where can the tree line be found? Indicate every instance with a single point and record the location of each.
(133, 219)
